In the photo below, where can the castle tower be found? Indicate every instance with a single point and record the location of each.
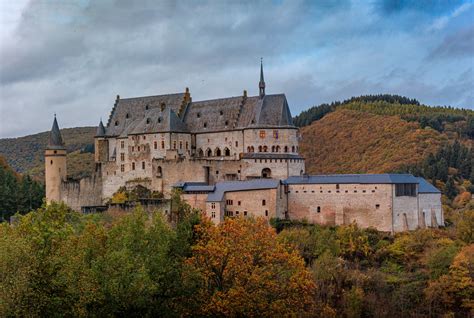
(261, 84)
(55, 164)
(101, 144)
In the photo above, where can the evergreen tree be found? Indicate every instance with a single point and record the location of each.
(450, 190)
(442, 170)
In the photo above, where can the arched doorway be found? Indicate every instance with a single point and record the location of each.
(266, 173)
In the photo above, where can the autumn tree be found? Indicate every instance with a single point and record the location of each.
(244, 271)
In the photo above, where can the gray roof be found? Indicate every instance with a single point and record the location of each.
(100, 130)
(266, 155)
(233, 186)
(146, 115)
(426, 187)
(128, 113)
(55, 140)
(352, 179)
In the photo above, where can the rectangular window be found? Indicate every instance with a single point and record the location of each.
(245, 213)
(236, 143)
(262, 134)
(213, 214)
(122, 144)
(238, 203)
(155, 145)
(133, 148)
(122, 168)
(174, 144)
(266, 212)
(143, 165)
(405, 190)
(275, 134)
(213, 205)
(162, 144)
(187, 145)
(377, 206)
(180, 145)
(319, 209)
(133, 165)
(122, 157)
(264, 202)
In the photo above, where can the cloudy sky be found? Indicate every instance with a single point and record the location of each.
(73, 57)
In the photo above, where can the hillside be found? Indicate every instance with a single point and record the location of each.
(25, 154)
(349, 141)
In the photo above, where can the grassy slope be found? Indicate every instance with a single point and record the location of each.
(348, 141)
(25, 154)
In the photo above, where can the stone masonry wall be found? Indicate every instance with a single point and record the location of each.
(86, 192)
(368, 205)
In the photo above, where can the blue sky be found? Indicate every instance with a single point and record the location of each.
(73, 57)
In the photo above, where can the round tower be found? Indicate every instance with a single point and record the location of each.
(55, 164)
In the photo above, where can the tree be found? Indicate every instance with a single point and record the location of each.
(244, 271)
(450, 189)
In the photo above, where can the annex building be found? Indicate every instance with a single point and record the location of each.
(232, 157)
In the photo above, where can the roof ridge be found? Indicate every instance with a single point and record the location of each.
(138, 97)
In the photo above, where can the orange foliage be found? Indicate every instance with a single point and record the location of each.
(245, 271)
(348, 141)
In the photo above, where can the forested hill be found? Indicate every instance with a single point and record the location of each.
(25, 154)
(441, 118)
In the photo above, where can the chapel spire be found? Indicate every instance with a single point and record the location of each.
(261, 84)
(100, 129)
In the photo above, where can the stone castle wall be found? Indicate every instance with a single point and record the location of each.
(368, 205)
(85, 192)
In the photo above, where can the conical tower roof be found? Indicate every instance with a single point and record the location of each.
(55, 139)
(100, 130)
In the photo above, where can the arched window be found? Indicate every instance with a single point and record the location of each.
(277, 148)
(159, 172)
(252, 149)
(265, 148)
(127, 115)
(209, 152)
(148, 121)
(286, 148)
(218, 152)
(273, 148)
(200, 152)
(227, 152)
(248, 149)
(259, 148)
(266, 173)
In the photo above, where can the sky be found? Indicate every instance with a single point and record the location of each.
(72, 57)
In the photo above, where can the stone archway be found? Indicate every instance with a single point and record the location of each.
(266, 173)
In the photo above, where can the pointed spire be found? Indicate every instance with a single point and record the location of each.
(261, 84)
(55, 139)
(100, 130)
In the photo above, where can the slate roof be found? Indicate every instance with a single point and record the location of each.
(144, 114)
(195, 187)
(55, 140)
(260, 155)
(231, 186)
(426, 187)
(100, 130)
(352, 179)
(128, 113)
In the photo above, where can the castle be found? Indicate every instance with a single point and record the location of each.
(235, 156)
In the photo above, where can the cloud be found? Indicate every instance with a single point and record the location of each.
(460, 44)
(441, 22)
(72, 58)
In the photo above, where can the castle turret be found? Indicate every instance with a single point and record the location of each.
(101, 144)
(55, 164)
